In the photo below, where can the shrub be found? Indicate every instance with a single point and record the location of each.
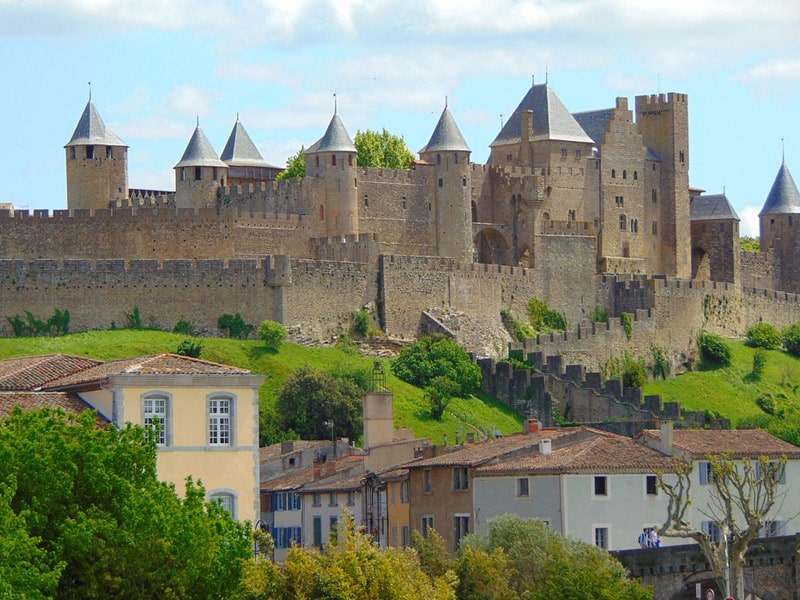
(713, 348)
(361, 323)
(518, 330)
(437, 356)
(634, 374)
(134, 319)
(759, 362)
(58, 324)
(543, 318)
(626, 319)
(272, 334)
(764, 335)
(439, 393)
(235, 326)
(599, 314)
(791, 339)
(661, 367)
(189, 348)
(183, 327)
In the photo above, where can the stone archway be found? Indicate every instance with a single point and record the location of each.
(701, 264)
(491, 247)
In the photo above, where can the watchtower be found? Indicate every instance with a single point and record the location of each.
(199, 173)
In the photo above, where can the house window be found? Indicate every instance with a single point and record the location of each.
(226, 500)
(404, 491)
(427, 488)
(601, 537)
(406, 536)
(333, 499)
(577, 153)
(198, 173)
(441, 183)
(619, 200)
(286, 501)
(219, 421)
(600, 485)
(563, 153)
(460, 478)
(286, 536)
(316, 499)
(523, 489)
(706, 472)
(427, 525)
(634, 225)
(460, 529)
(773, 528)
(711, 530)
(623, 222)
(317, 531)
(651, 485)
(155, 409)
(351, 498)
(774, 470)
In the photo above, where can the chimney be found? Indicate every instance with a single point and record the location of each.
(287, 446)
(532, 425)
(545, 446)
(666, 437)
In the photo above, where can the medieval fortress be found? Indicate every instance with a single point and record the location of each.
(577, 209)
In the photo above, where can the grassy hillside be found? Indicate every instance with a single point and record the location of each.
(411, 411)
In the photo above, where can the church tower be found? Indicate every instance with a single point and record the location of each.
(97, 164)
(331, 171)
(779, 224)
(447, 155)
(199, 174)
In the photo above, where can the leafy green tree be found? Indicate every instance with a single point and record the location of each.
(311, 398)
(791, 338)
(764, 335)
(437, 356)
(439, 393)
(295, 166)
(235, 325)
(660, 367)
(749, 243)
(272, 334)
(382, 150)
(104, 524)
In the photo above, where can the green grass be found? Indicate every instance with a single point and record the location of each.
(464, 415)
(732, 391)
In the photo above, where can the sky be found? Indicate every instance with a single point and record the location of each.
(156, 67)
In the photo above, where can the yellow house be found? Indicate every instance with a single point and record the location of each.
(206, 416)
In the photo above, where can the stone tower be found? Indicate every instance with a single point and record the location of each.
(97, 164)
(447, 155)
(199, 174)
(663, 122)
(331, 171)
(779, 223)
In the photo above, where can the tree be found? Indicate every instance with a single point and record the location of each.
(382, 150)
(743, 493)
(713, 348)
(764, 335)
(295, 166)
(236, 326)
(272, 334)
(103, 525)
(791, 338)
(437, 356)
(311, 398)
(439, 393)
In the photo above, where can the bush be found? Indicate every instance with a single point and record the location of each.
(272, 334)
(759, 362)
(58, 324)
(764, 335)
(634, 374)
(599, 314)
(183, 327)
(661, 367)
(543, 318)
(519, 331)
(361, 322)
(626, 319)
(791, 339)
(189, 348)
(134, 319)
(713, 348)
(235, 326)
(437, 356)
(439, 393)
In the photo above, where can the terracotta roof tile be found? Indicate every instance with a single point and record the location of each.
(273, 451)
(739, 443)
(70, 403)
(32, 372)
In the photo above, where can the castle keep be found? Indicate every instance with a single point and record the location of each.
(576, 209)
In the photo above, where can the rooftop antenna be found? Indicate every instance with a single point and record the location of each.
(335, 104)
(90, 91)
(198, 120)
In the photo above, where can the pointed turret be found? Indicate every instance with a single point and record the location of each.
(199, 173)
(783, 197)
(245, 163)
(331, 163)
(446, 136)
(97, 164)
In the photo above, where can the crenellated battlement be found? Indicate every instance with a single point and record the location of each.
(654, 100)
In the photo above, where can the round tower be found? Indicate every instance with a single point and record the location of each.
(199, 174)
(331, 170)
(97, 164)
(779, 224)
(448, 155)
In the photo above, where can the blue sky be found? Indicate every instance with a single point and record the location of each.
(158, 65)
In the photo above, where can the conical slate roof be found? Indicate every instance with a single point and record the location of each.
(199, 152)
(551, 119)
(446, 136)
(336, 139)
(92, 131)
(712, 207)
(783, 198)
(240, 149)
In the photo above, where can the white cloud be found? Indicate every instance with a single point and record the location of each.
(191, 100)
(749, 224)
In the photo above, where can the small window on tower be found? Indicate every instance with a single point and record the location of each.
(109, 152)
(72, 152)
(90, 152)
(198, 173)
(333, 160)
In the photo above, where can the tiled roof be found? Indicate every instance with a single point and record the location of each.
(37, 400)
(551, 119)
(595, 123)
(783, 197)
(482, 452)
(240, 149)
(712, 207)
(335, 484)
(335, 139)
(446, 136)
(155, 364)
(91, 130)
(273, 451)
(605, 453)
(328, 476)
(199, 152)
(32, 372)
(738, 443)
(290, 481)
